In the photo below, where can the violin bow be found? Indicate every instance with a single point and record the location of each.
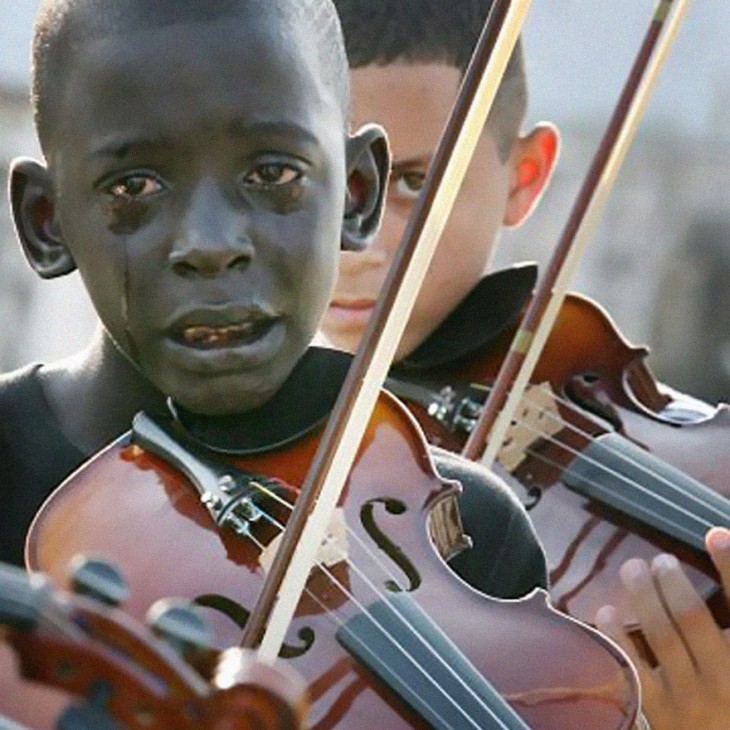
(504, 399)
(343, 434)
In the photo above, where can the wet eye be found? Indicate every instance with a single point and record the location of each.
(134, 187)
(271, 174)
(409, 184)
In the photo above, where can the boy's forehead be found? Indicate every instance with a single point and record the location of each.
(373, 86)
(222, 69)
(411, 99)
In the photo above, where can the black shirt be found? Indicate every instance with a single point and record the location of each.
(505, 561)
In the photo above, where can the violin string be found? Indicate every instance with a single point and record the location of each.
(619, 455)
(638, 486)
(615, 452)
(376, 591)
(577, 430)
(626, 459)
(374, 557)
(332, 615)
(67, 628)
(348, 594)
(598, 485)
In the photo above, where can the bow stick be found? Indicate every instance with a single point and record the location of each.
(344, 431)
(520, 362)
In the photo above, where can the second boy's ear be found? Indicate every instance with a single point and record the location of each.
(531, 163)
(368, 167)
(32, 200)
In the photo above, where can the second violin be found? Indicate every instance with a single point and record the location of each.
(610, 463)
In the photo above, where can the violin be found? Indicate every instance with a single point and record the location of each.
(83, 664)
(385, 633)
(610, 463)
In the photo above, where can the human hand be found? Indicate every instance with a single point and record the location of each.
(690, 687)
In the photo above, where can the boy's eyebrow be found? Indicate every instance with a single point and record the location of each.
(423, 160)
(243, 128)
(119, 147)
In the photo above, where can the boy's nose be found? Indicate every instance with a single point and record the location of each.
(211, 238)
(196, 255)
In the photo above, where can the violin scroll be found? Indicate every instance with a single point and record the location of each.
(98, 668)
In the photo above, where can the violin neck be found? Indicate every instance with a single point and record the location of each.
(619, 474)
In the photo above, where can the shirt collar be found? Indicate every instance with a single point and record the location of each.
(299, 406)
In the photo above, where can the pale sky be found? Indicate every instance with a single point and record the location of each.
(578, 53)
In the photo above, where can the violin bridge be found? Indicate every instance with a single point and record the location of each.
(334, 548)
(536, 419)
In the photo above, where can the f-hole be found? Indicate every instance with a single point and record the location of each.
(393, 551)
(239, 615)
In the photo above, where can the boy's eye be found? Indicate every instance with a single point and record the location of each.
(134, 187)
(271, 174)
(409, 184)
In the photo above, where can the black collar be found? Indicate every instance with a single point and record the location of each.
(299, 406)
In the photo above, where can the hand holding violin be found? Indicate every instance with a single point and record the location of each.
(690, 687)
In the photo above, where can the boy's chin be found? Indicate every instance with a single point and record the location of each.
(222, 400)
(216, 391)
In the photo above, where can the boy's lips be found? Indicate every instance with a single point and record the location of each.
(206, 337)
(228, 337)
(350, 312)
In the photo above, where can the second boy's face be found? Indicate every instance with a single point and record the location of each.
(200, 172)
(413, 102)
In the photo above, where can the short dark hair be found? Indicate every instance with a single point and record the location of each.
(383, 32)
(61, 23)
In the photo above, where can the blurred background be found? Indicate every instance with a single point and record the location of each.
(660, 262)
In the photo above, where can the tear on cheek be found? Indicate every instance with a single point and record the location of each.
(130, 344)
(292, 196)
(125, 216)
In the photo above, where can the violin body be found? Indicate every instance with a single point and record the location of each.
(596, 384)
(134, 508)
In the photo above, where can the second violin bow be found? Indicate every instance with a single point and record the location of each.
(506, 394)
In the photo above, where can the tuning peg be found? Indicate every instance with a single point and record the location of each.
(99, 579)
(181, 624)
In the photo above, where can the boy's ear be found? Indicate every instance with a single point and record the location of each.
(532, 162)
(368, 167)
(32, 200)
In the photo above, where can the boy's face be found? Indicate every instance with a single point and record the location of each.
(413, 102)
(200, 174)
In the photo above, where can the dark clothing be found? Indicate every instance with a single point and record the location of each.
(35, 456)
(487, 311)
